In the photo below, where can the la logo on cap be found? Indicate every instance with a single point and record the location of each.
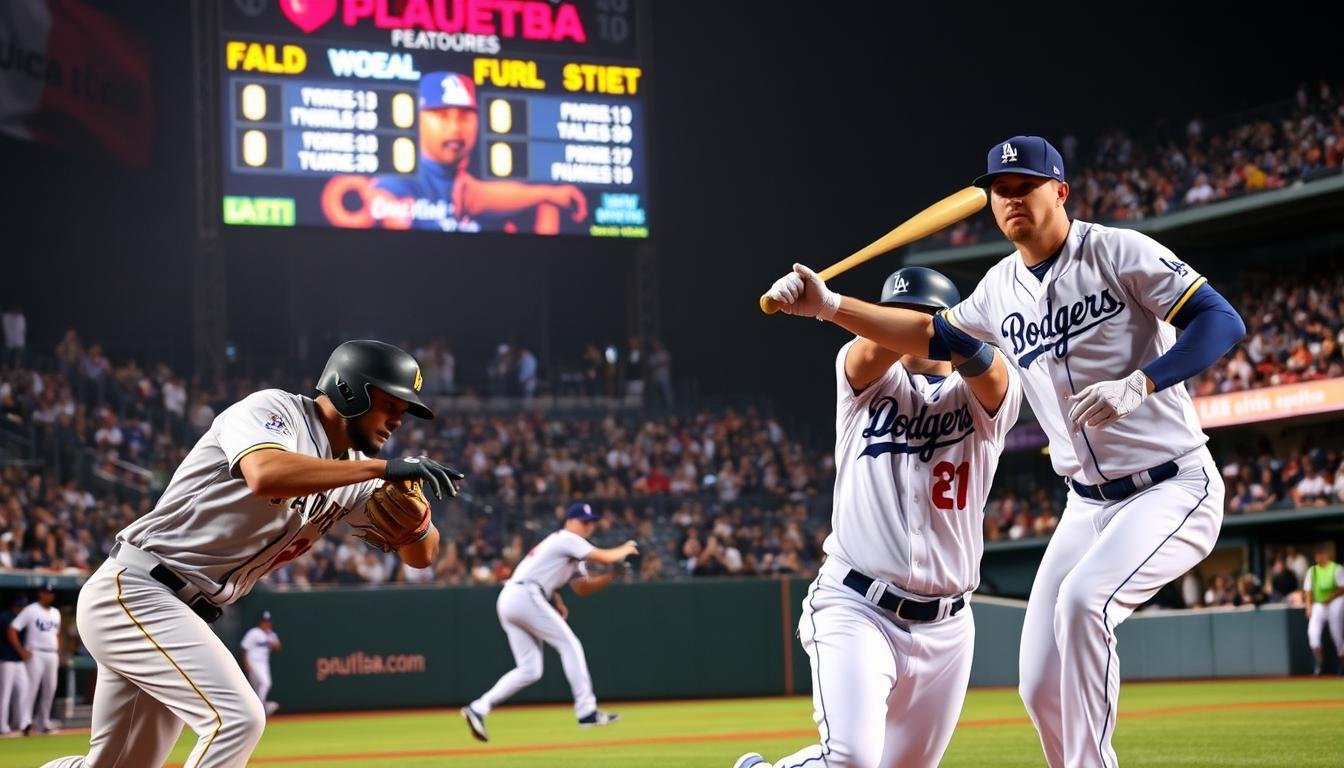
(1009, 154)
(900, 286)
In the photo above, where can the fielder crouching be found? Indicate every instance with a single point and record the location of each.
(273, 473)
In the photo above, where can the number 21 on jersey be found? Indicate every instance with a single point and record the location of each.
(950, 480)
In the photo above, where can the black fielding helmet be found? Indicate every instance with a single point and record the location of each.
(357, 365)
(919, 287)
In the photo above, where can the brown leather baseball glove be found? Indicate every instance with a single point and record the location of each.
(398, 514)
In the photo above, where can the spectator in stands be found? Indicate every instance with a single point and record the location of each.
(1248, 591)
(1191, 591)
(1282, 582)
(633, 369)
(1311, 490)
(16, 336)
(527, 372)
(1220, 592)
(660, 368)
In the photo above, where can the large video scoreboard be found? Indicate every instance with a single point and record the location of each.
(520, 116)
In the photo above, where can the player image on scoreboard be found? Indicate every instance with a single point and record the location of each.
(444, 194)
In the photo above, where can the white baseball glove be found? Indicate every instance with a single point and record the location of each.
(1105, 402)
(801, 292)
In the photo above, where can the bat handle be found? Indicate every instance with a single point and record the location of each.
(768, 305)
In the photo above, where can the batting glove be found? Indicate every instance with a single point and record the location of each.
(439, 478)
(1105, 402)
(802, 292)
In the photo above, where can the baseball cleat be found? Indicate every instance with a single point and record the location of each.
(476, 722)
(751, 760)
(598, 717)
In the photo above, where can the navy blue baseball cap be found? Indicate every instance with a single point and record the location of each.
(581, 511)
(47, 586)
(441, 90)
(1027, 155)
(265, 615)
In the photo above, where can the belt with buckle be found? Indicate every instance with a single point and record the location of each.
(904, 607)
(1117, 490)
(134, 556)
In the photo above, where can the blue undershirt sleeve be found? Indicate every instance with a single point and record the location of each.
(1210, 327)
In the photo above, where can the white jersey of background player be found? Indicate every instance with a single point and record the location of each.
(42, 657)
(272, 474)
(258, 643)
(531, 613)
(1085, 312)
(886, 624)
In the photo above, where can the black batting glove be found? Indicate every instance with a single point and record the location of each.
(440, 478)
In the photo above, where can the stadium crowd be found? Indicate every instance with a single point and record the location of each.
(714, 492)
(1124, 178)
(1295, 333)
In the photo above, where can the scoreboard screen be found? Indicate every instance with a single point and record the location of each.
(517, 116)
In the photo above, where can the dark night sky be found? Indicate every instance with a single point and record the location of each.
(782, 132)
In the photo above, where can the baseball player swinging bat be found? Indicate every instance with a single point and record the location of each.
(943, 213)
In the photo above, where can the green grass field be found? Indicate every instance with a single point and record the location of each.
(1297, 723)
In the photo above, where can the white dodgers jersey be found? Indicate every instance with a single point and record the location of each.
(556, 560)
(213, 531)
(914, 459)
(1102, 311)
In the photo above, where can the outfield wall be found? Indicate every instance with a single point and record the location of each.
(428, 646)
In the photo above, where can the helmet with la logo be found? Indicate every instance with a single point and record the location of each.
(919, 288)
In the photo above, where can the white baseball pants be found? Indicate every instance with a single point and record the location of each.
(1104, 560)
(885, 694)
(159, 665)
(40, 669)
(1332, 613)
(13, 691)
(529, 619)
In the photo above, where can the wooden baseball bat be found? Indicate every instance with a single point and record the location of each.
(943, 213)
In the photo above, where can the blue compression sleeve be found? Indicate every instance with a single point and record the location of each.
(1209, 328)
(948, 338)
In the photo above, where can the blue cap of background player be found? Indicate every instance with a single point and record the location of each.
(1027, 155)
(265, 615)
(441, 90)
(581, 511)
(47, 586)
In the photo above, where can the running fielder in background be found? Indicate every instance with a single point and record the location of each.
(1323, 590)
(258, 645)
(531, 612)
(1089, 315)
(41, 652)
(887, 623)
(273, 473)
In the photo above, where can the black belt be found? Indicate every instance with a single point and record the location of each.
(904, 607)
(200, 606)
(1125, 487)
